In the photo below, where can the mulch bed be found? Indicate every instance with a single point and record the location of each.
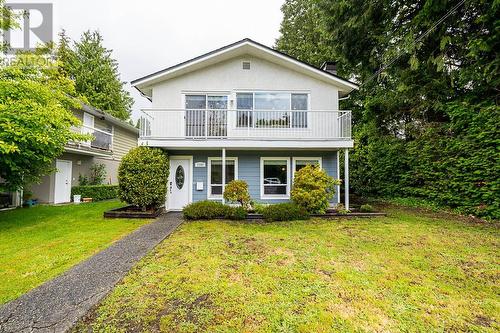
(133, 212)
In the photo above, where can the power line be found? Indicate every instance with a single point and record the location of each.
(425, 34)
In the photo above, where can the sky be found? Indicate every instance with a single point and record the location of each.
(147, 36)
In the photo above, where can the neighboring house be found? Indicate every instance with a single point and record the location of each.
(112, 139)
(245, 111)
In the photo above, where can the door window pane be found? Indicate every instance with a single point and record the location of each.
(299, 118)
(244, 101)
(217, 102)
(275, 177)
(216, 175)
(196, 102)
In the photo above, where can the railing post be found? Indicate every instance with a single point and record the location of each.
(206, 123)
(223, 172)
(346, 178)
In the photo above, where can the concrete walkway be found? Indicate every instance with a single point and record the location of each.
(56, 305)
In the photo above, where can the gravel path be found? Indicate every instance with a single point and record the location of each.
(56, 305)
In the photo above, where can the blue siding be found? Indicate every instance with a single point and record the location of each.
(249, 168)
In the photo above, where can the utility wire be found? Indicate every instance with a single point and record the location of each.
(425, 34)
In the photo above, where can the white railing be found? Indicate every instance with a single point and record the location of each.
(245, 124)
(101, 138)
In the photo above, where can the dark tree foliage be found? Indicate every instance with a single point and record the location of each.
(427, 124)
(95, 73)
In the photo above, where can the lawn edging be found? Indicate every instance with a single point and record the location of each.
(133, 212)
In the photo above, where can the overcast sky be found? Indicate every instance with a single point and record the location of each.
(147, 36)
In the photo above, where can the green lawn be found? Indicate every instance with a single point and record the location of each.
(410, 272)
(39, 243)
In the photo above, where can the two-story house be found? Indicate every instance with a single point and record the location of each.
(245, 111)
(112, 139)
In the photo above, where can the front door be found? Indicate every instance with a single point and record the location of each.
(178, 184)
(62, 192)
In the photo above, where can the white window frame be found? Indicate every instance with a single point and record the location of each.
(288, 180)
(299, 158)
(290, 92)
(211, 196)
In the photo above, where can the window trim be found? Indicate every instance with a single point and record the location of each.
(211, 196)
(288, 180)
(294, 162)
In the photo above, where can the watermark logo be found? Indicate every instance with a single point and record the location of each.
(36, 26)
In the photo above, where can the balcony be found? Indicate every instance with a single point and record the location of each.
(102, 140)
(167, 126)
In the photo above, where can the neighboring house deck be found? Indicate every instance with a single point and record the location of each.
(112, 139)
(245, 111)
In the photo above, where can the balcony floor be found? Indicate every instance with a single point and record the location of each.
(246, 144)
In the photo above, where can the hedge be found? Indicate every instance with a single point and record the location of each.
(287, 211)
(209, 210)
(96, 192)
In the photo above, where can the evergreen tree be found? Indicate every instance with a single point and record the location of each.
(426, 115)
(95, 73)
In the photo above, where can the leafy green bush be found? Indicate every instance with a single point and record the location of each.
(204, 210)
(208, 210)
(313, 188)
(287, 211)
(96, 192)
(366, 208)
(235, 213)
(450, 164)
(97, 174)
(340, 208)
(143, 177)
(258, 207)
(237, 191)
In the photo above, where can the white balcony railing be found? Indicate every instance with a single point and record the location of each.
(101, 139)
(245, 124)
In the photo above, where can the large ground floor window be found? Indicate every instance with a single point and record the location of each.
(215, 174)
(274, 178)
(300, 162)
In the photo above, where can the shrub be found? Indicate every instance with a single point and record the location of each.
(208, 210)
(313, 188)
(237, 191)
(235, 213)
(288, 211)
(366, 208)
(259, 208)
(97, 174)
(143, 177)
(342, 210)
(96, 192)
(204, 210)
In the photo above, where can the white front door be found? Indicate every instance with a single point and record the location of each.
(178, 186)
(62, 191)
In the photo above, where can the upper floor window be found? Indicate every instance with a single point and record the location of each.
(206, 115)
(272, 110)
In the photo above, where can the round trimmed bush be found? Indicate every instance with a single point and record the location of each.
(287, 211)
(313, 188)
(143, 177)
(366, 208)
(205, 210)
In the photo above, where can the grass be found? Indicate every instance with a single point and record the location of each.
(412, 271)
(39, 243)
